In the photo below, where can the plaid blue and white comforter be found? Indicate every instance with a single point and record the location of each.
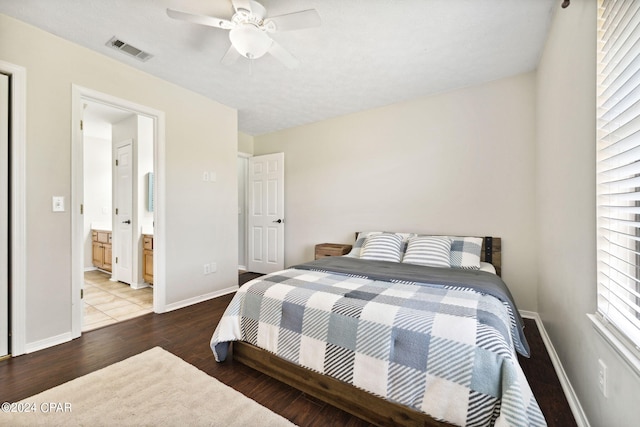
(444, 351)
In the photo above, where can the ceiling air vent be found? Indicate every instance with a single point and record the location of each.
(128, 49)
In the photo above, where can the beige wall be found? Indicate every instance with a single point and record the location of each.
(201, 135)
(245, 143)
(566, 217)
(457, 163)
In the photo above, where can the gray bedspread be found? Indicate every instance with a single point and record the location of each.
(438, 343)
(479, 281)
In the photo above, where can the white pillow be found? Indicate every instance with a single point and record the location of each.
(382, 247)
(357, 246)
(432, 251)
(465, 252)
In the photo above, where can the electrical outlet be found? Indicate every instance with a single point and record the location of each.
(205, 176)
(207, 269)
(602, 377)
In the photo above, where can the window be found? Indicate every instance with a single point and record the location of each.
(618, 168)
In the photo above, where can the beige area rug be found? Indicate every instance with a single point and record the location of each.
(154, 388)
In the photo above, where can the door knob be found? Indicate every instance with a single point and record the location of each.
(278, 221)
(127, 221)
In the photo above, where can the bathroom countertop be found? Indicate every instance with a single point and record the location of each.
(102, 226)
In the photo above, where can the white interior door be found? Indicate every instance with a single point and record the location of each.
(4, 215)
(123, 228)
(266, 213)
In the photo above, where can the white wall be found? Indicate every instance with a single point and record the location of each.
(566, 217)
(97, 189)
(460, 162)
(201, 135)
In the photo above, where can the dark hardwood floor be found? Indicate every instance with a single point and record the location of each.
(187, 332)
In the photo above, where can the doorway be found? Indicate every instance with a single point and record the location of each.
(16, 208)
(114, 289)
(265, 216)
(261, 225)
(98, 244)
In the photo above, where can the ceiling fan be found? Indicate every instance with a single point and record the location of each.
(249, 29)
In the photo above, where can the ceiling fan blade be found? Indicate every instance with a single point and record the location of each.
(241, 4)
(294, 21)
(283, 55)
(231, 56)
(209, 21)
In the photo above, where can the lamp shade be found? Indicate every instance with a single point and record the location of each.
(250, 41)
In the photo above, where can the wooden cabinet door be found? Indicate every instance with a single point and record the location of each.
(98, 254)
(106, 261)
(147, 258)
(147, 273)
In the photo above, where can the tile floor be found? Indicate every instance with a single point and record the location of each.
(107, 302)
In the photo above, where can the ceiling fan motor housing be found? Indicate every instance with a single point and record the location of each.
(250, 41)
(249, 37)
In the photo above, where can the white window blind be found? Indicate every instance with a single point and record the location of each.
(618, 167)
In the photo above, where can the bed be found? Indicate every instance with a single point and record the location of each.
(406, 329)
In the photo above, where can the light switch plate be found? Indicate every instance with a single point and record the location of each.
(58, 204)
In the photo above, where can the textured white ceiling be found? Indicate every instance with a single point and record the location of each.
(366, 54)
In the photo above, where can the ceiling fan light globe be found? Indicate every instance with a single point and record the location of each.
(250, 41)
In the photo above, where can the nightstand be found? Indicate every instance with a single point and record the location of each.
(332, 249)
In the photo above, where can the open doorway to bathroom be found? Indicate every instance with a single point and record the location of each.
(117, 214)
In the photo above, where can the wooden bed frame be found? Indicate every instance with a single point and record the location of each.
(351, 399)
(492, 252)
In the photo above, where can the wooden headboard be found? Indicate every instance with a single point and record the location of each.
(491, 251)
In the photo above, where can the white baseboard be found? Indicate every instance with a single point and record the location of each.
(138, 285)
(66, 337)
(201, 298)
(48, 342)
(569, 392)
